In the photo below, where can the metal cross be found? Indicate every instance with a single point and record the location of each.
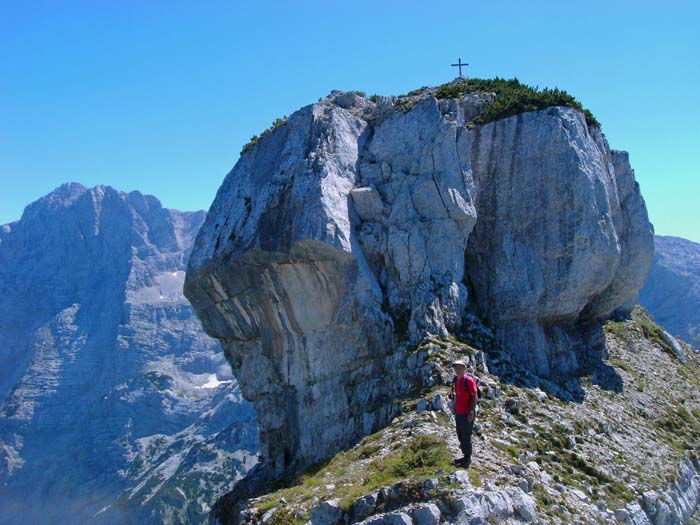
(459, 64)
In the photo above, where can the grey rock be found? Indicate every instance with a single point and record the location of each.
(430, 484)
(397, 518)
(428, 514)
(266, 517)
(368, 204)
(468, 509)
(461, 477)
(422, 405)
(115, 406)
(622, 515)
(327, 513)
(526, 484)
(675, 346)
(374, 520)
(650, 500)
(542, 273)
(285, 220)
(497, 503)
(671, 292)
(363, 507)
(518, 470)
(344, 231)
(635, 514)
(581, 495)
(513, 405)
(541, 396)
(493, 391)
(534, 467)
(523, 504)
(439, 403)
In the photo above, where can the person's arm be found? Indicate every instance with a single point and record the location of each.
(473, 399)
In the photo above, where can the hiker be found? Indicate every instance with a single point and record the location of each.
(464, 388)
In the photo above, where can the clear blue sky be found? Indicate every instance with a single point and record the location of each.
(160, 96)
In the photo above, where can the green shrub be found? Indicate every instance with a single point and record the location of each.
(283, 516)
(256, 138)
(512, 98)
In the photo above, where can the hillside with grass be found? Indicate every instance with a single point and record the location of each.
(621, 445)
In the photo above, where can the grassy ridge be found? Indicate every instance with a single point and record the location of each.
(512, 98)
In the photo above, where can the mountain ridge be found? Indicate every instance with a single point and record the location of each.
(115, 406)
(672, 290)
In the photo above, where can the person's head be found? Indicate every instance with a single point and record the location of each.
(459, 367)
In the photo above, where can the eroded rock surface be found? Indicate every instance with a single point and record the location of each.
(356, 224)
(115, 407)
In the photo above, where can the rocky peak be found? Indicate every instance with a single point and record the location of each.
(115, 407)
(357, 224)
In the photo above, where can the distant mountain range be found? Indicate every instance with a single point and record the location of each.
(672, 290)
(115, 407)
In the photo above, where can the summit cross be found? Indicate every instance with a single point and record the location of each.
(459, 64)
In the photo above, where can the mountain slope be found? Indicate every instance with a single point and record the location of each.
(672, 289)
(625, 455)
(116, 407)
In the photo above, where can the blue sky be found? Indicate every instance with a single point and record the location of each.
(160, 96)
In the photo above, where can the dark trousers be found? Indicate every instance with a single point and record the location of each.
(464, 434)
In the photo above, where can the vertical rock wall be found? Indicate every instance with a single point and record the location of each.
(357, 224)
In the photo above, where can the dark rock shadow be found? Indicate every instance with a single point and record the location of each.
(590, 356)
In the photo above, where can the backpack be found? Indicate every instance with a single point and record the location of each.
(466, 377)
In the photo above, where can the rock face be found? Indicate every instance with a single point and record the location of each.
(672, 289)
(562, 237)
(116, 407)
(355, 225)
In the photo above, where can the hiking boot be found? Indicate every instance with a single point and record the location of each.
(462, 462)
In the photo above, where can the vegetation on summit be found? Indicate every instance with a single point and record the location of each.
(512, 98)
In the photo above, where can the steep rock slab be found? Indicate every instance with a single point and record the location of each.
(347, 227)
(341, 224)
(562, 236)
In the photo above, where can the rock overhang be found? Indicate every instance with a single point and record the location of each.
(407, 215)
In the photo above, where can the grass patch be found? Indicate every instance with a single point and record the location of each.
(284, 516)
(574, 469)
(512, 98)
(620, 364)
(653, 332)
(616, 328)
(681, 428)
(353, 475)
(256, 138)
(474, 478)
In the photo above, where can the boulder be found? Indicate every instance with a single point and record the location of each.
(354, 227)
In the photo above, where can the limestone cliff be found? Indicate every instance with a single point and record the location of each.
(358, 223)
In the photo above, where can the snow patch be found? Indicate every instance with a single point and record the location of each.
(213, 382)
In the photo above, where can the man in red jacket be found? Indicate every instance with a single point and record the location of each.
(465, 392)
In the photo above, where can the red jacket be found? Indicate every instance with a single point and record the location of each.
(464, 390)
